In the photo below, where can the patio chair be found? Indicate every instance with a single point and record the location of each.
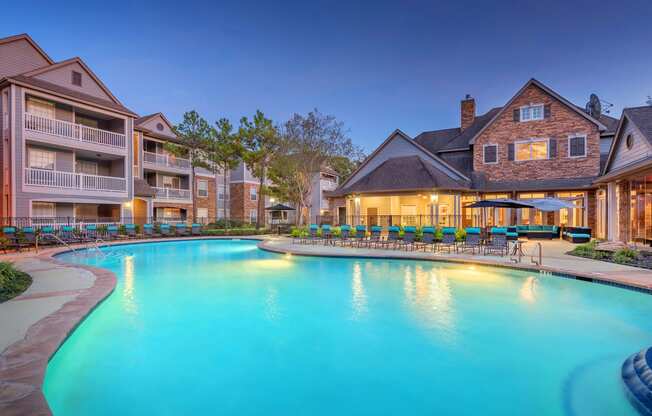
(46, 236)
(28, 236)
(427, 240)
(313, 234)
(165, 230)
(393, 237)
(181, 230)
(148, 231)
(130, 229)
(13, 241)
(67, 234)
(472, 241)
(497, 242)
(326, 234)
(112, 232)
(448, 239)
(90, 232)
(359, 236)
(195, 229)
(409, 234)
(375, 238)
(345, 231)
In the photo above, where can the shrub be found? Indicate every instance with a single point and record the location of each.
(460, 234)
(234, 231)
(585, 250)
(625, 255)
(439, 234)
(12, 282)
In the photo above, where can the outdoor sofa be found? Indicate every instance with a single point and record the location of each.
(577, 234)
(538, 231)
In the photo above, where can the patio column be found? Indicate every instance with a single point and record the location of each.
(457, 210)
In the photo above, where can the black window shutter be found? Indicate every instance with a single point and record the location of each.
(510, 151)
(553, 148)
(517, 115)
(546, 111)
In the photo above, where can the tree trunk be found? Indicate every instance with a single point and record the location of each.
(192, 190)
(227, 213)
(261, 199)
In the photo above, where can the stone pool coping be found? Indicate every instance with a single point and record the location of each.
(23, 363)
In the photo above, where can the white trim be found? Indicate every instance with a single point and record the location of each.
(484, 146)
(532, 140)
(529, 106)
(568, 145)
(198, 182)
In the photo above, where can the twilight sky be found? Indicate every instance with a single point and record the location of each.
(376, 65)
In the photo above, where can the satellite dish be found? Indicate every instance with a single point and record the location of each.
(594, 107)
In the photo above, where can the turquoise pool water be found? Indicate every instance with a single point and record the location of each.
(221, 327)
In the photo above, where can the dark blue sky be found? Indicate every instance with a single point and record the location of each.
(375, 65)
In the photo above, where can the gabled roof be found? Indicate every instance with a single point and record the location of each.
(25, 36)
(144, 119)
(409, 140)
(140, 122)
(81, 63)
(55, 89)
(454, 139)
(406, 173)
(641, 118)
(549, 91)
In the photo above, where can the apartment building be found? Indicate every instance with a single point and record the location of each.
(65, 147)
(536, 145)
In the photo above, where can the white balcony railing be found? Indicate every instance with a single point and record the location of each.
(162, 159)
(172, 193)
(74, 131)
(71, 180)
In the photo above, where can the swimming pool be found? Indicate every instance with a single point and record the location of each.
(210, 326)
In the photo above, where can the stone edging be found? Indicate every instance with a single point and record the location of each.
(571, 274)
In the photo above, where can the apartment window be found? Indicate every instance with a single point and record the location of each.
(532, 150)
(490, 153)
(253, 215)
(220, 192)
(171, 182)
(577, 146)
(40, 108)
(76, 78)
(41, 159)
(220, 213)
(43, 209)
(202, 213)
(87, 167)
(253, 194)
(202, 187)
(531, 112)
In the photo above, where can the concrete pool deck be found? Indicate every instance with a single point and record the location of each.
(34, 324)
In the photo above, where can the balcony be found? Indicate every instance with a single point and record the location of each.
(77, 181)
(163, 160)
(75, 133)
(173, 194)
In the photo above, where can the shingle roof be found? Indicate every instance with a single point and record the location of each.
(642, 118)
(402, 174)
(453, 139)
(57, 89)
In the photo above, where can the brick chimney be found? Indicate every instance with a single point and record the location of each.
(467, 112)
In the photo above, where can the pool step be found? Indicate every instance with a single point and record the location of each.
(637, 376)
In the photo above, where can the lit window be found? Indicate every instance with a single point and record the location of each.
(490, 153)
(202, 188)
(221, 195)
(43, 209)
(220, 213)
(532, 112)
(532, 150)
(253, 194)
(253, 215)
(577, 146)
(41, 159)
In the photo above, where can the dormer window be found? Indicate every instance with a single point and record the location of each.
(76, 78)
(531, 112)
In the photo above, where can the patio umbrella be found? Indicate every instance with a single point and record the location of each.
(279, 207)
(550, 204)
(500, 203)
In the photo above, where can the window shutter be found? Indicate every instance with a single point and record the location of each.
(510, 151)
(546, 111)
(517, 115)
(552, 152)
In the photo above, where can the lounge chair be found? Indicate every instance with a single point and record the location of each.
(148, 231)
(28, 236)
(46, 236)
(13, 241)
(393, 237)
(130, 229)
(448, 239)
(181, 230)
(326, 234)
(313, 234)
(90, 232)
(113, 233)
(359, 236)
(427, 240)
(195, 229)
(472, 241)
(409, 234)
(165, 230)
(345, 231)
(497, 242)
(375, 238)
(67, 234)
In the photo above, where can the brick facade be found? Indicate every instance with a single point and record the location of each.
(209, 202)
(562, 122)
(240, 202)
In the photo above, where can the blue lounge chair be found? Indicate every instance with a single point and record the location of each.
(195, 229)
(393, 237)
(427, 240)
(28, 236)
(409, 234)
(313, 234)
(181, 230)
(448, 239)
(112, 232)
(497, 242)
(359, 236)
(376, 236)
(90, 232)
(165, 230)
(13, 241)
(130, 229)
(68, 235)
(148, 231)
(326, 234)
(345, 231)
(472, 241)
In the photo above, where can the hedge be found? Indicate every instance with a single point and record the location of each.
(12, 282)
